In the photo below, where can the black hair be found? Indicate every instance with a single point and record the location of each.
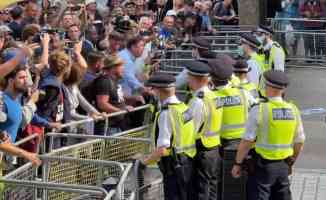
(16, 12)
(13, 73)
(134, 41)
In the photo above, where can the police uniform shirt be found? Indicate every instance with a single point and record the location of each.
(164, 124)
(278, 60)
(252, 125)
(197, 107)
(254, 73)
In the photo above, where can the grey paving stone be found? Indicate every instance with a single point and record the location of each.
(308, 184)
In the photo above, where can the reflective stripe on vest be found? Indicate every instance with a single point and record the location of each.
(231, 127)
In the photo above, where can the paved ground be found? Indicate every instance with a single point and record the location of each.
(309, 185)
(308, 90)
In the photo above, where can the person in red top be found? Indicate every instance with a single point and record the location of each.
(311, 9)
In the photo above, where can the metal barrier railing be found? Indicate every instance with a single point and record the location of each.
(297, 24)
(149, 182)
(18, 187)
(120, 147)
(303, 45)
(303, 48)
(75, 123)
(233, 27)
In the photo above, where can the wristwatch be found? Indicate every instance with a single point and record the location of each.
(238, 163)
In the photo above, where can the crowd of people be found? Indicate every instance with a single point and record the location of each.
(303, 13)
(63, 61)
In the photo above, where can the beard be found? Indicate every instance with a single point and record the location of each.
(21, 89)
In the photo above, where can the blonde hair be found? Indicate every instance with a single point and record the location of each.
(59, 62)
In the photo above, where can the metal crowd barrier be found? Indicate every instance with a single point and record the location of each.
(303, 45)
(233, 27)
(298, 24)
(80, 122)
(149, 182)
(61, 180)
(302, 48)
(85, 181)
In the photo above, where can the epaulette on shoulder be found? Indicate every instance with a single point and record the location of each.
(200, 94)
(255, 104)
(277, 45)
(263, 99)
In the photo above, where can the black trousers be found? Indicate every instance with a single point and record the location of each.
(207, 173)
(269, 181)
(177, 178)
(232, 188)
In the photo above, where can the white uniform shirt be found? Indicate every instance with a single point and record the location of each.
(279, 60)
(252, 125)
(254, 73)
(164, 124)
(197, 108)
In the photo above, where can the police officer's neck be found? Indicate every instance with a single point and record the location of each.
(199, 84)
(166, 93)
(242, 76)
(274, 93)
(164, 98)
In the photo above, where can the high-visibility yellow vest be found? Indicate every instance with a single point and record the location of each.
(277, 123)
(235, 81)
(235, 112)
(251, 88)
(209, 134)
(183, 131)
(260, 59)
(269, 64)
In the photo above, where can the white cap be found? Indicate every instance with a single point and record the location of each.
(171, 13)
(87, 2)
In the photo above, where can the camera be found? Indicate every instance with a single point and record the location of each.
(70, 44)
(37, 37)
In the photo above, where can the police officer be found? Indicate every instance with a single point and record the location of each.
(207, 116)
(200, 49)
(229, 61)
(235, 102)
(276, 129)
(274, 53)
(248, 49)
(175, 140)
(241, 70)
